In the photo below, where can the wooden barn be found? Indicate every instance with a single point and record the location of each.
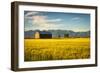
(66, 35)
(42, 35)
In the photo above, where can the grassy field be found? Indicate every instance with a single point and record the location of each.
(56, 49)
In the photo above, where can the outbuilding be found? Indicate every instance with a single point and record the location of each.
(43, 35)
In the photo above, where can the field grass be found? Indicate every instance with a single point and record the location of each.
(56, 49)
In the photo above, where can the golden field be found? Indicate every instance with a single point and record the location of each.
(56, 49)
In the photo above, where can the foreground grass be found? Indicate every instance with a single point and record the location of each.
(56, 49)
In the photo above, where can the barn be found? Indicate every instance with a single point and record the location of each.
(66, 35)
(43, 35)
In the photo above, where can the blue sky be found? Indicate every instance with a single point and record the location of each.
(56, 20)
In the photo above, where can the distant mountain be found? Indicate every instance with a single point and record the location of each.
(29, 34)
(55, 33)
(83, 34)
(58, 33)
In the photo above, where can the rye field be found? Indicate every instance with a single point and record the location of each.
(56, 49)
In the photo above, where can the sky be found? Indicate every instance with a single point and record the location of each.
(34, 20)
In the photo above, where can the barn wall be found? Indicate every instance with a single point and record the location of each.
(37, 35)
(45, 36)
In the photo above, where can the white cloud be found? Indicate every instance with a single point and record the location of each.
(31, 14)
(76, 18)
(41, 22)
(55, 20)
(44, 23)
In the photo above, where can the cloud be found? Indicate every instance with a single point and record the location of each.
(39, 20)
(76, 18)
(44, 23)
(31, 14)
(55, 20)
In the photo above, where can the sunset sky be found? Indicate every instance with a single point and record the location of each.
(54, 20)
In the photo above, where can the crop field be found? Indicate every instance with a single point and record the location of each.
(56, 49)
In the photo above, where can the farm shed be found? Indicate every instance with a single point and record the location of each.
(66, 35)
(43, 34)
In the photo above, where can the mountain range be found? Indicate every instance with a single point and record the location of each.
(56, 33)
